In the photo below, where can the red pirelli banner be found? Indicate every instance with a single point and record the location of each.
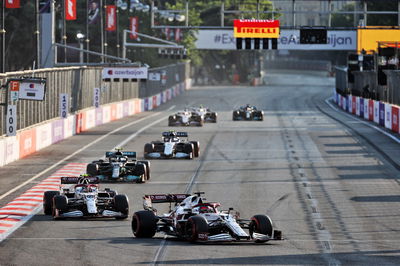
(256, 28)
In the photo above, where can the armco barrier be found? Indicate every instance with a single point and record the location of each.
(384, 114)
(37, 137)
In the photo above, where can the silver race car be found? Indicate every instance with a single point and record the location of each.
(185, 118)
(206, 113)
(172, 146)
(84, 199)
(194, 219)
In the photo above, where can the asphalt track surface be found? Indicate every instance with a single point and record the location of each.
(323, 177)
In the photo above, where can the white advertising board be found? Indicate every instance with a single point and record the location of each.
(32, 90)
(155, 76)
(288, 40)
(125, 73)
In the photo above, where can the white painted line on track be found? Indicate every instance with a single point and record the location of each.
(393, 137)
(83, 148)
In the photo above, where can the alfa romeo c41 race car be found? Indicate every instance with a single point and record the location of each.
(194, 220)
(84, 199)
(206, 113)
(185, 118)
(120, 166)
(248, 113)
(172, 146)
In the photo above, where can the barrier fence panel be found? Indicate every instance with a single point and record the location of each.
(79, 84)
(393, 86)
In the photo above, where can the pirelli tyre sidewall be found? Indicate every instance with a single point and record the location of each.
(60, 205)
(261, 224)
(196, 148)
(92, 169)
(121, 204)
(48, 201)
(196, 225)
(144, 224)
(147, 163)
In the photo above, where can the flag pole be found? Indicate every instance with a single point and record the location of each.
(64, 37)
(102, 30)
(37, 33)
(3, 39)
(87, 30)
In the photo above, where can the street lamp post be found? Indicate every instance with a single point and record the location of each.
(80, 37)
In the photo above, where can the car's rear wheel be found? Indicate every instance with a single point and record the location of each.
(48, 201)
(92, 169)
(147, 163)
(188, 149)
(261, 224)
(214, 117)
(121, 204)
(144, 224)
(196, 228)
(171, 120)
(196, 148)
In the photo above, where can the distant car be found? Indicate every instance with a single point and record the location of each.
(84, 199)
(185, 118)
(196, 220)
(120, 166)
(172, 146)
(206, 113)
(248, 113)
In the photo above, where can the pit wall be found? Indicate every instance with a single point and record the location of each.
(383, 114)
(37, 137)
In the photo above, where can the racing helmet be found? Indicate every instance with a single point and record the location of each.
(83, 179)
(203, 209)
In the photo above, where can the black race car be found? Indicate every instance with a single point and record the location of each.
(194, 219)
(84, 199)
(172, 146)
(248, 113)
(120, 166)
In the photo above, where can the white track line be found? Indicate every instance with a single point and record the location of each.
(393, 137)
(85, 147)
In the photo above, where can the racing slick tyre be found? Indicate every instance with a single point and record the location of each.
(121, 204)
(196, 148)
(196, 228)
(213, 117)
(48, 201)
(60, 205)
(261, 224)
(92, 169)
(171, 121)
(141, 171)
(148, 148)
(144, 224)
(188, 149)
(234, 116)
(147, 163)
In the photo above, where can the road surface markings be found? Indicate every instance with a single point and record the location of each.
(20, 210)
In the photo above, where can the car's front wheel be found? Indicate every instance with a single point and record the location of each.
(144, 224)
(121, 204)
(197, 228)
(261, 224)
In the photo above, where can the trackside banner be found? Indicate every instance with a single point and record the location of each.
(125, 73)
(345, 40)
(256, 28)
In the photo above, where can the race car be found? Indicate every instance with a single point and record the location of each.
(185, 118)
(120, 166)
(172, 146)
(195, 220)
(248, 113)
(206, 113)
(84, 199)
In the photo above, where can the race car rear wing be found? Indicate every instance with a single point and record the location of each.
(129, 154)
(178, 134)
(148, 200)
(75, 179)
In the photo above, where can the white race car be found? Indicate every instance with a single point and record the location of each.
(185, 118)
(206, 113)
(84, 199)
(195, 220)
